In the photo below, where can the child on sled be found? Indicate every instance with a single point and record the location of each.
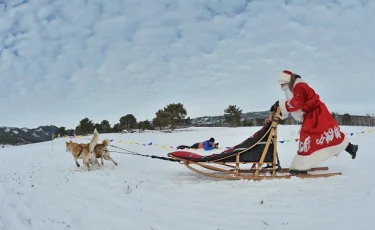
(206, 145)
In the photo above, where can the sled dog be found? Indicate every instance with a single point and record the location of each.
(101, 152)
(84, 151)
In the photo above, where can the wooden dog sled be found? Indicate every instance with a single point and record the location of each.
(259, 151)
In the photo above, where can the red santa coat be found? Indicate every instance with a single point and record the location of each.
(320, 135)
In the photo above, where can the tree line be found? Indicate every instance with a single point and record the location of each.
(174, 115)
(171, 116)
(342, 119)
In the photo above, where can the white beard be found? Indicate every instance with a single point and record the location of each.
(297, 115)
(288, 94)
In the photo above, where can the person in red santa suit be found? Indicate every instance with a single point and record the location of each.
(320, 134)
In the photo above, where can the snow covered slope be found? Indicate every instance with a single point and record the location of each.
(41, 188)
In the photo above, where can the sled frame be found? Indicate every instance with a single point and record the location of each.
(259, 170)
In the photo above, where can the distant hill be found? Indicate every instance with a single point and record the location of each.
(213, 120)
(20, 136)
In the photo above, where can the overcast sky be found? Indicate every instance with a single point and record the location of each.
(62, 61)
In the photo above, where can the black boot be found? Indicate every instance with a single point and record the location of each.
(352, 150)
(182, 147)
(297, 172)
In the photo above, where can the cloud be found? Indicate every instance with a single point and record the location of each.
(61, 61)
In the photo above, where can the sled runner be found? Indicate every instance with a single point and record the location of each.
(259, 150)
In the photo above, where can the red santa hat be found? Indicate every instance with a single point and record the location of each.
(284, 77)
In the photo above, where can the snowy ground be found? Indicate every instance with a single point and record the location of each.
(41, 188)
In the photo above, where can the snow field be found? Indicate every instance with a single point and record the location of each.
(41, 188)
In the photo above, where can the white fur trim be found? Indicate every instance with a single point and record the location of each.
(298, 115)
(283, 78)
(316, 158)
(298, 80)
(284, 112)
(283, 116)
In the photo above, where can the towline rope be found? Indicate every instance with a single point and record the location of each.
(125, 151)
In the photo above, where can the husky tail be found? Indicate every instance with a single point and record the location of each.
(105, 142)
(94, 141)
